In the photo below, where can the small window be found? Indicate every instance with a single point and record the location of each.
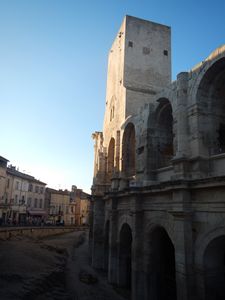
(30, 187)
(165, 52)
(130, 44)
(146, 50)
(17, 185)
(35, 202)
(41, 201)
(36, 189)
(29, 202)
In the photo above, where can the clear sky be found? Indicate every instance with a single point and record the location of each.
(53, 66)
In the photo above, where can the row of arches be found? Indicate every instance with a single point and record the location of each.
(160, 269)
(209, 126)
(161, 141)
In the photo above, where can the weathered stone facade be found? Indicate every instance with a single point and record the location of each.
(159, 171)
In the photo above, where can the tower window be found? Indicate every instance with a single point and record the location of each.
(165, 52)
(130, 44)
(146, 50)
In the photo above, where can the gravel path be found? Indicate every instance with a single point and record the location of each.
(51, 268)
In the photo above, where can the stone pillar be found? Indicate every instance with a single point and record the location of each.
(98, 233)
(113, 244)
(151, 152)
(180, 163)
(138, 275)
(183, 246)
(181, 115)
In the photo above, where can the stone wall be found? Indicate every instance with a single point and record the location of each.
(8, 233)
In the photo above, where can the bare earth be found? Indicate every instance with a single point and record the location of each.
(51, 268)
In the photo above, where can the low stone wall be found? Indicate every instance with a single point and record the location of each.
(35, 232)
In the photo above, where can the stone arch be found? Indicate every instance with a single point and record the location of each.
(111, 108)
(124, 219)
(129, 150)
(210, 99)
(200, 249)
(161, 270)
(125, 256)
(106, 245)
(214, 269)
(199, 72)
(164, 121)
(160, 136)
(204, 240)
(111, 158)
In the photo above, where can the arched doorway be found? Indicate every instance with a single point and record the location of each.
(125, 257)
(161, 283)
(164, 131)
(211, 109)
(106, 246)
(128, 151)
(214, 269)
(111, 157)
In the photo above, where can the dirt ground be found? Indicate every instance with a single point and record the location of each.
(51, 268)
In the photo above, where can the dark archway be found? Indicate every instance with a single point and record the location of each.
(214, 269)
(161, 267)
(211, 109)
(125, 257)
(128, 151)
(111, 158)
(106, 246)
(164, 131)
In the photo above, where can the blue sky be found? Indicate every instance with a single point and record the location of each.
(53, 66)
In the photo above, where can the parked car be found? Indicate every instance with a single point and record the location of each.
(49, 223)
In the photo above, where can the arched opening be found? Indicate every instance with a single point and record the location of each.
(106, 246)
(111, 158)
(214, 269)
(125, 259)
(164, 131)
(128, 151)
(211, 109)
(161, 266)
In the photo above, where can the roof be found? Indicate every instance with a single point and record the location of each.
(12, 171)
(3, 159)
(58, 192)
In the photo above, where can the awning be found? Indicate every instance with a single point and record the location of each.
(37, 212)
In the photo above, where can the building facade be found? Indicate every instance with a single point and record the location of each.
(26, 196)
(4, 204)
(159, 171)
(82, 206)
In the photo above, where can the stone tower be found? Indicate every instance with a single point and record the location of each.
(139, 65)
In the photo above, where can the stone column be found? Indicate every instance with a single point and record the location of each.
(183, 246)
(138, 275)
(181, 115)
(151, 151)
(180, 163)
(98, 233)
(113, 244)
